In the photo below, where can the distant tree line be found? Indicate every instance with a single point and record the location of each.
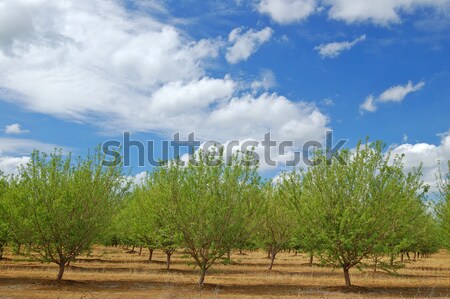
(344, 214)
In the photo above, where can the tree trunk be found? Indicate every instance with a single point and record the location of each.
(140, 250)
(401, 257)
(229, 255)
(415, 255)
(375, 264)
(150, 255)
(407, 254)
(347, 277)
(1, 252)
(311, 258)
(168, 254)
(268, 254)
(272, 259)
(61, 271)
(392, 260)
(201, 278)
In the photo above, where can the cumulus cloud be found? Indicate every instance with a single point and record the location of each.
(379, 12)
(14, 152)
(246, 43)
(395, 93)
(14, 129)
(97, 62)
(10, 164)
(249, 116)
(333, 50)
(265, 81)
(287, 11)
(428, 154)
(85, 59)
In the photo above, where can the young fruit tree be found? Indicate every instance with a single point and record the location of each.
(275, 227)
(4, 227)
(352, 204)
(443, 207)
(210, 203)
(151, 204)
(290, 185)
(63, 204)
(134, 225)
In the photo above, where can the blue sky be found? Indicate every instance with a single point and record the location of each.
(75, 74)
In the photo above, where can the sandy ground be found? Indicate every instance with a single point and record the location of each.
(113, 273)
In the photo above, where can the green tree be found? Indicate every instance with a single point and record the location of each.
(63, 205)
(4, 227)
(211, 203)
(275, 223)
(152, 200)
(291, 187)
(443, 207)
(132, 225)
(350, 208)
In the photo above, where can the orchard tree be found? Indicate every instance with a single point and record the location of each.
(211, 202)
(132, 225)
(63, 204)
(4, 227)
(443, 207)
(415, 231)
(291, 186)
(353, 203)
(151, 201)
(275, 223)
(426, 235)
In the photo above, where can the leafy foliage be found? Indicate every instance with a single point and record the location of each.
(59, 208)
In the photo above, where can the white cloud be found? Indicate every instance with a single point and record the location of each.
(14, 152)
(96, 62)
(399, 92)
(138, 178)
(334, 49)
(395, 93)
(16, 146)
(246, 43)
(85, 59)
(252, 117)
(9, 164)
(249, 118)
(428, 154)
(368, 105)
(287, 11)
(265, 81)
(14, 129)
(380, 12)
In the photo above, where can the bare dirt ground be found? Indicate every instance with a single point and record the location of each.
(110, 272)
